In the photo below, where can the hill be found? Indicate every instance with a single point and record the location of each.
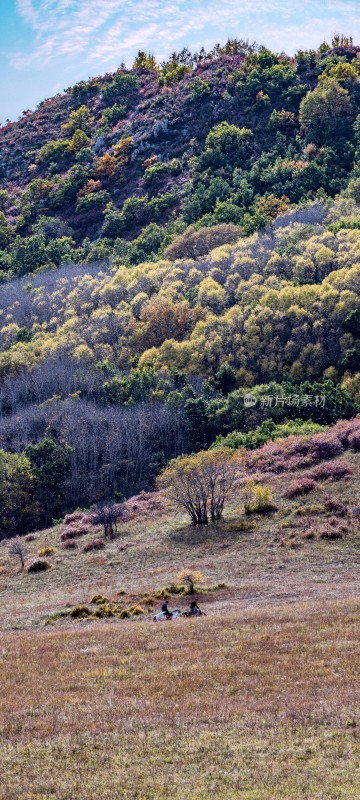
(118, 166)
(174, 237)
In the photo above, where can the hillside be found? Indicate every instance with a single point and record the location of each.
(305, 549)
(118, 166)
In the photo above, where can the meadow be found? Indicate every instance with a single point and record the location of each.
(258, 700)
(263, 704)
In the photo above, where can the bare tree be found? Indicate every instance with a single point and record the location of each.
(108, 514)
(17, 549)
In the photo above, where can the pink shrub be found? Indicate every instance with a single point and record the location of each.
(75, 517)
(74, 532)
(334, 506)
(299, 452)
(345, 429)
(69, 544)
(96, 544)
(300, 486)
(354, 440)
(335, 470)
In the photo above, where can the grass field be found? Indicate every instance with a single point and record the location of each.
(264, 705)
(259, 700)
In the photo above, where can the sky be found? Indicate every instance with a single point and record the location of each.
(48, 45)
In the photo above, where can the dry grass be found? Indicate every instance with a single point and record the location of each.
(264, 706)
(258, 701)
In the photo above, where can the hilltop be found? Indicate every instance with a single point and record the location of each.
(118, 166)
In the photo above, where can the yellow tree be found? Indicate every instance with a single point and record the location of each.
(200, 484)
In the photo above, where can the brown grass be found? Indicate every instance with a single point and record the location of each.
(262, 706)
(259, 700)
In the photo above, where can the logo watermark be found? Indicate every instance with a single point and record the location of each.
(281, 401)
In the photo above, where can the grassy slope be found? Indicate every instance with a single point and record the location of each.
(258, 703)
(268, 562)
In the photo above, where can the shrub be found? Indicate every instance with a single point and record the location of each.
(80, 612)
(104, 611)
(190, 577)
(335, 506)
(258, 498)
(96, 544)
(46, 551)
(38, 565)
(354, 441)
(335, 471)
(74, 533)
(330, 534)
(69, 544)
(99, 599)
(75, 517)
(136, 611)
(300, 486)
(124, 614)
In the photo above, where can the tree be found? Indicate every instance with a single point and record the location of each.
(144, 61)
(107, 514)
(190, 577)
(50, 463)
(17, 507)
(326, 114)
(81, 119)
(200, 484)
(17, 549)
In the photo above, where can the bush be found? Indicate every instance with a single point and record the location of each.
(69, 544)
(96, 544)
(335, 507)
(75, 517)
(99, 599)
(46, 551)
(124, 614)
(105, 611)
(354, 441)
(74, 533)
(80, 612)
(300, 486)
(258, 498)
(38, 565)
(190, 577)
(334, 471)
(136, 611)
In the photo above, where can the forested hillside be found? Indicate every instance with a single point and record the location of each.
(174, 238)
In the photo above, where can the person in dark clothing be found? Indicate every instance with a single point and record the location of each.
(194, 608)
(165, 610)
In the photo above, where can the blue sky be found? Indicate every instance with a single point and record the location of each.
(48, 45)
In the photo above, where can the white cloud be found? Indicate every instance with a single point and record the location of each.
(107, 31)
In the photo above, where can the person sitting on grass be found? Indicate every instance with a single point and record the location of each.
(165, 610)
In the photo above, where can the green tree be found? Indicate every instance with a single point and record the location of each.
(50, 463)
(18, 511)
(326, 114)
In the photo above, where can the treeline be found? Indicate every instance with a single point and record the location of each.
(73, 453)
